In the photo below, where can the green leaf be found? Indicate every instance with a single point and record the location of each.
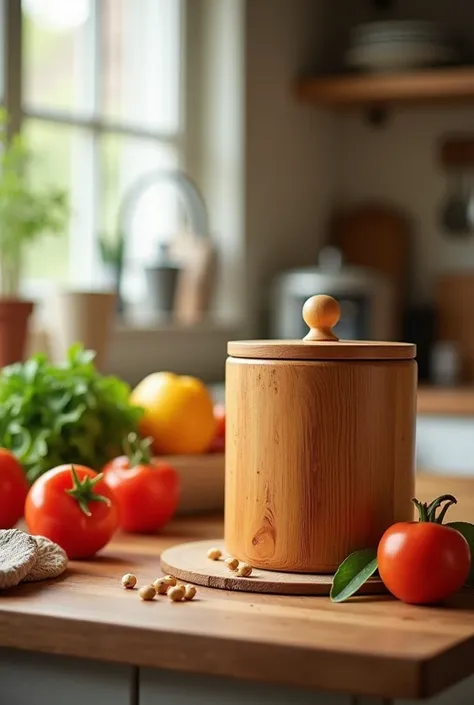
(467, 530)
(54, 414)
(27, 213)
(353, 573)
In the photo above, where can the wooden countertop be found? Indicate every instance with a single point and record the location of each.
(371, 645)
(446, 401)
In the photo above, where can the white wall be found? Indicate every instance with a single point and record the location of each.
(289, 147)
(399, 162)
(215, 135)
(275, 161)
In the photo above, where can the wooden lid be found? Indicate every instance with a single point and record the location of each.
(321, 313)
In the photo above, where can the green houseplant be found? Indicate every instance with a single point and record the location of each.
(26, 215)
(112, 250)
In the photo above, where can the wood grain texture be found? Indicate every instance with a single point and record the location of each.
(413, 87)
(319, 459)
(445, 401)
(188, 562)
(320, 350)
(455, 314)
(373, 646)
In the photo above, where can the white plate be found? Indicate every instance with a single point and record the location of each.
(392, 57)
(405, 30)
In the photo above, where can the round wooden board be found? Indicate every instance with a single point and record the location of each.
(189, 562)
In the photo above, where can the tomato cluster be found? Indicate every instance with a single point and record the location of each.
(80, 509)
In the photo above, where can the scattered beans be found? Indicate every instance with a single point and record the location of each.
(176, 593)
(147, 592)
(214, 554)
(160, 586)
(244, 570)
(129, 581)
(189, 592)
(232, 563)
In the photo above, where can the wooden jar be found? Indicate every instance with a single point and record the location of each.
(320, 445)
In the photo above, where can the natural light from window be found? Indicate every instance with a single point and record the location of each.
(101, 103)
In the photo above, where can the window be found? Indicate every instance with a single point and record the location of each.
(100, 100)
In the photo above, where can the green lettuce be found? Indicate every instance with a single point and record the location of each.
(68, 413)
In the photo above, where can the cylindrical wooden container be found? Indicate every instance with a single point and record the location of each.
(320, 445)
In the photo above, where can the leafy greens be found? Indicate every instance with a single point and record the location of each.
(69, 413)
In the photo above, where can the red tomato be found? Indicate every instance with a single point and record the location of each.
(219, 415)
(79, 512)
(13, 489)
(120, 462)
(218, 442)
(423, 562)
(147, 493)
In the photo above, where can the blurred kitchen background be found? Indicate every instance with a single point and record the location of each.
(226, 159)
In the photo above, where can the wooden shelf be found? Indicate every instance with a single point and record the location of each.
(427, 86)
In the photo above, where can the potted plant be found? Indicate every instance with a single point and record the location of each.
(112, 254)
(26, 215)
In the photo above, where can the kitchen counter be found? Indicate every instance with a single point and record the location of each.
(371, 646)
(445, 401)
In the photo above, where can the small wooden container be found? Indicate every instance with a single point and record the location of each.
(320, 445)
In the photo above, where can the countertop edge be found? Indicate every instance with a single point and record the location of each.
(434, 674)
(293, 666)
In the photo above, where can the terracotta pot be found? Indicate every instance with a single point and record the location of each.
(82, 317)
(14, 316)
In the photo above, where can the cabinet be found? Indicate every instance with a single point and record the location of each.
(36, 679)
(176, 688)
(28, 678)
(460, 694)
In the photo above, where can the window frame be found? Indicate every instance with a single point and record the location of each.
(84, 252)
(139, 348)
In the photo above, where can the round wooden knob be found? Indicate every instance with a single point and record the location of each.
(321, 313)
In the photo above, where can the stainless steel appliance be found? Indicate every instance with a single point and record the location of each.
(367, 299)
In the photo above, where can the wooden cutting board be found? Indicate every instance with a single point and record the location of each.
(376, 235)
(188, 562)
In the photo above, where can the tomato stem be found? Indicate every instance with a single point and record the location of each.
(427, 512)
(421, 507)
(83, 491)
(137, 450)
(450, 500)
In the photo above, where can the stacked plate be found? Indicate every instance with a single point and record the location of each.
(395, 46)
